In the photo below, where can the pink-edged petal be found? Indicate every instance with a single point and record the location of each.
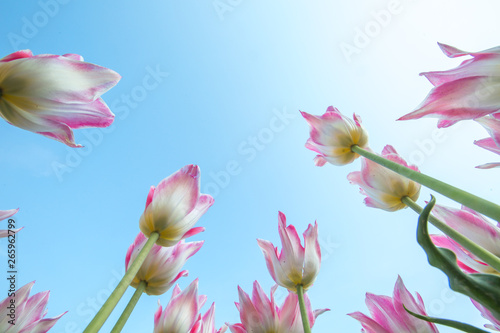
(264, 307)
(453, 52)
(236, 328)
(150, 196)
(7, 213)
(57, 78)
(459, 100)
(193, 231)
(384, 313)
(467, 262)
(272, 261)
(485, 313)
(312, 256)
(474, 226)
(319, 161)
(17, 55)
(370, 325)
(182, 310)
(488, 144)
(6, 233)
(292, 253)
(488, 166)
(403, 297)
(43, 325)
(492, 126)
(249, 316)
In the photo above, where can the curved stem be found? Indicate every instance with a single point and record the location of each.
(303, 311)
(474, 248)
(129, 308)
(103, 314)
(476, 203)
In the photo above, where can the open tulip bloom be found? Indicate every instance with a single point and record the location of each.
(51, 94)
(182, 313)
(384, 188)
(162, 266)
(261, 314)
(29, 312)
(332, 135)
(174, 206)
(296, 265)
(389, 316)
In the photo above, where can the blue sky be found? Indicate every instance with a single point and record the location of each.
(220, 84)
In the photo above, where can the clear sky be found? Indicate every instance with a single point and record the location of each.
(219, 83)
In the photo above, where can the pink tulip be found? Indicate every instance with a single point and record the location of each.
(175, 206)
(181, 313)
(28, 313)
(384, 188)
(162, 266)
(333, 135)
(389, 316)
(261, 314)
(3, 215)
(296, 264)
(469, 91)
(51, 95)
(487, 314)
(473, 226)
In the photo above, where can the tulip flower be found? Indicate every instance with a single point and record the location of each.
(332, 136)
(181, 312)
(162, 266)
(473, 226)
(469, 91)
(487, 314)
(389, 316)
(51, 95)
(261, 314)
(384, 188)
(3, 215)
(29, 312)
(296, 264)
(174, 206)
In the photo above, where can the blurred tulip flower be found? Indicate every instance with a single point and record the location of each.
(162, 266)
(174, 206)
(473, 226)
(332, 135)
(29, 313)
(389, 316)
(296, 264)
(470, 91)
(261, 314)
(6, 214)
(181, 312)
(51, 94)
(384, 188)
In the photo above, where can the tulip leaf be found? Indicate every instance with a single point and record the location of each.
(447, 322)
(483, 288)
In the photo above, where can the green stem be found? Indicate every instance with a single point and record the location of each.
(130, 307)
(474, 248)
(103, 314)
(474, 202)
(303, 311)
